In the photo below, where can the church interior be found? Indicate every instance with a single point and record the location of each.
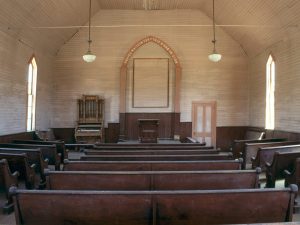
(149, 112)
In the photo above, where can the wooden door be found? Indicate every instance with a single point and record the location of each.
(204, 122)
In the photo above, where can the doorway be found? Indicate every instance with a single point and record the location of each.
(204, 122)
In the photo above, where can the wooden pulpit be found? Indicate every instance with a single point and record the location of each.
(148, 130)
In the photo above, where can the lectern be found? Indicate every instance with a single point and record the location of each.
(148, 130)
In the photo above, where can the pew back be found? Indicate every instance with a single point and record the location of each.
(293, 176)
(238, 146)
(49, 152)
(265, 155)
(282, 160)
(153, 147)
(153, 180)
(60, 146)
(251, 150)
(158, 207)
(19, 162)
(150, 152)
(7, 180)
(151, 165)
(35, 157)
(221, 156)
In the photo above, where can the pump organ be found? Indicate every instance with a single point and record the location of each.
(90, 127)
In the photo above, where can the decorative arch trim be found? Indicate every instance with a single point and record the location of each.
(123, 75)
(155, 40)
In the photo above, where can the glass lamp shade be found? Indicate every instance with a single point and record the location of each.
(89, 57)
(215, 57)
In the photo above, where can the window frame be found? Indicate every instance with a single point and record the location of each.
(31, 94)
(270, 93)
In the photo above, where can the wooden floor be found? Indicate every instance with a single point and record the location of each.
(10, 219)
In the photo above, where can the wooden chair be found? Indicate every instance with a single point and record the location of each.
(7, 180)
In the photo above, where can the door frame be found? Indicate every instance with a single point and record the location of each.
(213, 105)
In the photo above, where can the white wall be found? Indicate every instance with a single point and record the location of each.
(226, 82)
(14, 58)
(287, 91)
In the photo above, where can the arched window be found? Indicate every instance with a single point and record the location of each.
(31, 94)
(270, 94)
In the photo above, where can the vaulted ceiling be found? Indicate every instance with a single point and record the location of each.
(255, 24)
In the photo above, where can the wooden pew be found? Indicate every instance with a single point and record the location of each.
(50, 207)
(150, 144)
(60, 145)
(151, 165)
(238, 146)
(251, 149)
(49, 152)
(7, 180)
(292, 176)
(265, 155)
(35, 157)
(282, 160)
(221, 156)
(150, 152)
(153, 180)
(153, 147)
(19, 162)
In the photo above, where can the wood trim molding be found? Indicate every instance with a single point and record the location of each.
(155, 40)
(123, 75)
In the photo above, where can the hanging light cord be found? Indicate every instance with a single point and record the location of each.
(214, 27)
(90, 12)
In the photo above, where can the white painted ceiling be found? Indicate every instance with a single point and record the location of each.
(255, 24)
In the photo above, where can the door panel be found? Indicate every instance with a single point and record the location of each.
(204, 122)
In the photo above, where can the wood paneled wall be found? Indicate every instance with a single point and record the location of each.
(165, 128)
(226, 81)
(18, 136)
(14, 58)
(287, 91)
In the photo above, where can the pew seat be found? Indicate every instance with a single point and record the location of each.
(151, 165)
(7, 180)
(153, 180)
(188, 207)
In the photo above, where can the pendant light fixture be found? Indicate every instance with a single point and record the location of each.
(89, 56)
(214, 57)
